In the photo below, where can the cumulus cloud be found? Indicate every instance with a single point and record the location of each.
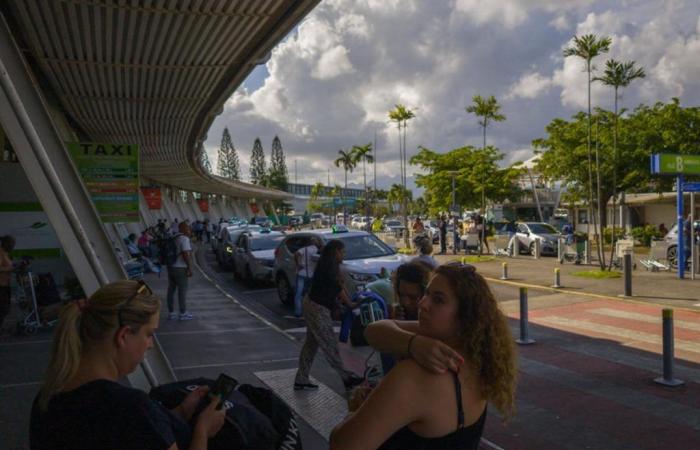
(332, 81)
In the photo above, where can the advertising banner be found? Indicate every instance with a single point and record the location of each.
(254, 208)
(153, 196)
(111, 174)
(203, 204)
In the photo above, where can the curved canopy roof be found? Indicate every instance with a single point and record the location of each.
(152, 72)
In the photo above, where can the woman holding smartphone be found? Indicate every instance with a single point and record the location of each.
(82, 405)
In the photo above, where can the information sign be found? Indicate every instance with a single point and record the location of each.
(691, 187)
(667, 164)
(111, 174)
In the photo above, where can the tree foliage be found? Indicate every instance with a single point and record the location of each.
(204, 158)
(478, 172)
(487, 109)
(278, 177)
(228, 164)
(258, 170)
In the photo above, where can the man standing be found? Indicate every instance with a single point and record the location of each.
(442, 225)
(305, 272)
(179, 272)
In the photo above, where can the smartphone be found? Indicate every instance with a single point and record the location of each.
(223, 387)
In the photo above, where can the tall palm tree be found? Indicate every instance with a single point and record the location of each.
(488, 111)
(618, 75)
(588, 47)
(364, 153)
(348, 163)
(401, 115)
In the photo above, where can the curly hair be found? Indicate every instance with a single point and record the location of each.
(485, 335)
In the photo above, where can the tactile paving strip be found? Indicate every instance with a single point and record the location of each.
(322, 409)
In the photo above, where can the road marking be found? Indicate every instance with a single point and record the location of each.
(237, 363)
(303, 330)
(644, 318)
(259, 291)
(15, 385)
(322, 409)
(567, 324)
(231, 330)
(491, 444)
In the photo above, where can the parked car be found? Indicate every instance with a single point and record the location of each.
(432, 230)
(360, 222)
(394, 226)
(365, 256)
(228, 241)
(261, 221)
(254, 255)
(527, 232)
(295, 221)
(671, 241)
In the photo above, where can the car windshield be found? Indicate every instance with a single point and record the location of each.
(364, 246)
(265, 243)
(393, 223)
(542, 228)
(235, 232)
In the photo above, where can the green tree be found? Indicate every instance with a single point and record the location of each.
(258, 169)
(478, 174)
(228, 164)
(347, 161)
(204, 158)
(364, 153)
(398, 195)
(617, 75)
(278, 176)
(401, 115)
(587, 47)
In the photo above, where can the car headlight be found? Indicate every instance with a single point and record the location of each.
(362, 277)
(229, 249)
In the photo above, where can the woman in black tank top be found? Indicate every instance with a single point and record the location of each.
(460, 356)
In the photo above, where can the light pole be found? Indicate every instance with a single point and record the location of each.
(453, 174)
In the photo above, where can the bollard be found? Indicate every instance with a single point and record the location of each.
(538, 249)
(504, 271)
(668, 379)
(586, 252)
(627, 269)
(524, 335)
(516, 247)
(557, 279)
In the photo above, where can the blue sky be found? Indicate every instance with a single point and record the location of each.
(330, 83)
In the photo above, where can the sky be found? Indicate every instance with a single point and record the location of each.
(330, 83)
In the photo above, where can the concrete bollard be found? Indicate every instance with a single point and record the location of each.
(504, 271)
(627, 269)
(524, 332)
(538, 249)
(516, 247)
(557, 279)
(668, 379)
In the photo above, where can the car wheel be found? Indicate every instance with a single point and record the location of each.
(284, 290)
(672, 256)
(249, 278)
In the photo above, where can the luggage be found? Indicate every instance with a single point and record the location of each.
(255, 417)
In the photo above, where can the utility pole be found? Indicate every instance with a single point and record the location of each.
(453, 174)
(329, 178)
(295, 171)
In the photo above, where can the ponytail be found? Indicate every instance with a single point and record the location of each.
(83, 324)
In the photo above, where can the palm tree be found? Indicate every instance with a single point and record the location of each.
(488, 110)
(364, 153)
(618, 75)
(401, 115)
(588, 47)
(348, 162)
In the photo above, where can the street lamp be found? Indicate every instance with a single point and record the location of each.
(453, 174)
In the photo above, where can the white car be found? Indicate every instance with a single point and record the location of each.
(365, 256)
(254, 255)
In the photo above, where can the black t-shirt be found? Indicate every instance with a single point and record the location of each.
(105, 415)
(324, 291)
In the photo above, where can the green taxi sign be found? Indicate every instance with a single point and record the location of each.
(667, 164)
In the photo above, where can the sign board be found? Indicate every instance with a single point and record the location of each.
(667, 164)
(691, 187)
(153, 196)
(203, 204)
(111, 175)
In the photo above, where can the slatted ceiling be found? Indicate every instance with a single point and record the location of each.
(153, 72)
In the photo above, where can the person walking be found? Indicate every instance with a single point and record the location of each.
(305, 272)
(179, 273)
(327, 288)
(442, 226)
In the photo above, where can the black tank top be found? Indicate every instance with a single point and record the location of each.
(466, 438)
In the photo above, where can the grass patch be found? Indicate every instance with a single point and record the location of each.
(405, 251)
(597, 274)
(476, 259)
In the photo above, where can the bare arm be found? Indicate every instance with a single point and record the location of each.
(402, 338)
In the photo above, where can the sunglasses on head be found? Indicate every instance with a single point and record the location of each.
(142, 287)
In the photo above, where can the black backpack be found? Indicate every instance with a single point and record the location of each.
(256, 419)
(167, 248)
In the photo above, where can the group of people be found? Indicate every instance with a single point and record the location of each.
(452, 343)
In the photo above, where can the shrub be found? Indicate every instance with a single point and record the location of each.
(607, 234)
(645, 234)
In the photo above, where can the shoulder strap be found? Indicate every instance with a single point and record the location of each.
(460, 408)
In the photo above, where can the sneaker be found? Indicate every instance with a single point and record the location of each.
(353, 381)
(186, 316)
(172, 316)
(305, 386)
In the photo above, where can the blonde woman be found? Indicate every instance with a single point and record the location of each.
(82, 405)
(460, 357)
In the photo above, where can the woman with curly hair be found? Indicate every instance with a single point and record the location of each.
(459, 357)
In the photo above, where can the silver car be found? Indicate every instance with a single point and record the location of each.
(254, 255)
(671, 241)
(528, 232)
(365, 256)
(227, 243)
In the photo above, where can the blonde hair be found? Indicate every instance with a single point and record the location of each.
(81, 325)
(485, 335)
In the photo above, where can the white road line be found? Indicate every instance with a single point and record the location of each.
(16, 385)
(237, 363)
(567, 324)
(644, 318)
(303, 330)
(231, 330)
(8, 344)
(490, 444)
(259, 291)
